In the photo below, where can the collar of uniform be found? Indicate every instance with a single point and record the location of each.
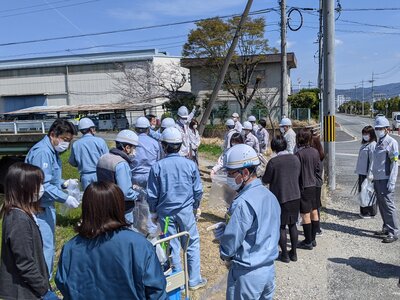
(172, 154)
(87, 134)
(142, 134)
(48, 144)
(254, 183)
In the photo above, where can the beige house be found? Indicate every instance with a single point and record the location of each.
(268, 69)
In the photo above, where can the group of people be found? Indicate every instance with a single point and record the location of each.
(109, 258)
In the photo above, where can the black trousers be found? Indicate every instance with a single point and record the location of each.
(368, 210)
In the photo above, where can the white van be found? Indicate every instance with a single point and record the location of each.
(113, 121)
(395, 120)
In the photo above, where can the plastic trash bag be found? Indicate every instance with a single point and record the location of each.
(367, 195)
(73, 190)
(221, 195)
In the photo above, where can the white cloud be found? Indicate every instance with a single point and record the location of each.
(338, 42)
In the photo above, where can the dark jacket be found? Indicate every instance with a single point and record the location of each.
(309, 166)
(23, 271)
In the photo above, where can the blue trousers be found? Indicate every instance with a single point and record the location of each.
(47, 223)
(185, 221)
(251, 284)
(87, 179)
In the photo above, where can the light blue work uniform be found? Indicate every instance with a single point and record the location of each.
(147, 153)
(118, 265)
(114, 167)
(250, 243)
(155, 134)
(43, 155)
(85, 154)
(384, 171)
(174, 189)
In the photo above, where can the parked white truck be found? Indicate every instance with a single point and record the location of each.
(395, 120)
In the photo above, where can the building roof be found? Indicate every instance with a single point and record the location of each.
(82, 59)
(265, 59)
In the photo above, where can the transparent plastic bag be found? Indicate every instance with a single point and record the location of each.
(367, 194)
(221, 195)
(73, 190)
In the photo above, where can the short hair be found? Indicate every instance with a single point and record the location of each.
(21, 188)
(150, 116)
(316, 143)
(171, 148)
(278, 144)
(262, 123)
(371, 131)
(61, 126)
(193, 122)
(236, 138)
(103, 210)
(303, 137)
(141, 130)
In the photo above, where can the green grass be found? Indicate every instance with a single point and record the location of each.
(211, 151)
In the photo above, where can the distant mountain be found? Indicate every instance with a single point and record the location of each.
(381, 91)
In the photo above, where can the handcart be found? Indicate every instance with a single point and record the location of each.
(176, 280)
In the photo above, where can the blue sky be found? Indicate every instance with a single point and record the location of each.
(366, 41)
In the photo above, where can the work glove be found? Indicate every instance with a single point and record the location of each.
(219, 231)
(370, 177)
(71, 202)
(50, 295)
(154, 217)
(197, 213)
(391, 186)
(70, 182)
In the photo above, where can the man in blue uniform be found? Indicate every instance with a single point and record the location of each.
(86, 151)
(116, 167)
(174, 190)
(147, 153)
(45, 155)
(249, 241)
(384, 171)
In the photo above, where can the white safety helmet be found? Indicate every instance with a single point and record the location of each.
(240, 156)
(235, 115)
(230, 122)
(247, 125)
(285, 122)
(127, 136)
(252, 119)
(85, 123)
(183, 112)
(167, 122)
(171, 135)
(381, 122)
(142, 122)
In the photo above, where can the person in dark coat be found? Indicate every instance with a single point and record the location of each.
(23, 270)
(282, 174)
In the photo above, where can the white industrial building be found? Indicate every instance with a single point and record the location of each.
(72, 80)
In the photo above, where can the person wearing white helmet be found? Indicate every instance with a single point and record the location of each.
(249, 138)
(182, 124)
(249, 240)
(253, 120)
(147, 153)
(86, 151)
(238, 125)
(174, 192)
(384, 171)
(116, 167)
(285, 126)
(230, 125)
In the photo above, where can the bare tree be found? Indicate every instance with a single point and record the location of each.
(140, 82)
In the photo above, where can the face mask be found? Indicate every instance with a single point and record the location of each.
(132, 153)
(366, 137)
(380, 133)
(153, 126)
(183, 121)
(234, 120)
(62, 146)
(231, 182)
(282, 129)
(41, 191)
(194, 126)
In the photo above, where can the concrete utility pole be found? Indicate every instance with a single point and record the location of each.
(362, 84)
(224, 69)
(321, 105)
(329, 91)
(372, 95)
(284, 91)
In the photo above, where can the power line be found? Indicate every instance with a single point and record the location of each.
(32, 6)
(257, 12)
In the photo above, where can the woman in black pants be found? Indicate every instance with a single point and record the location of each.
(282, 174)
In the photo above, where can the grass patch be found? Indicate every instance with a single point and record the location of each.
(210, 151)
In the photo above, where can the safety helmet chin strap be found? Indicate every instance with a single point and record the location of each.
(245, 181)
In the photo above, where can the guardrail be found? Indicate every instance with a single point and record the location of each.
(25, 127)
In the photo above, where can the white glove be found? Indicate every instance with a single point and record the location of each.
(70, 182)
(370, 177)
(219, 231)
(197, 213)
(391, 187)
(71, 202)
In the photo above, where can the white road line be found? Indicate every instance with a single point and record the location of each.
(347, 154)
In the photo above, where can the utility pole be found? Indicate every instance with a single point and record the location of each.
(362, 84)
(321, 103)
(372, 95)
(224, 69)
(284, 91)
(329, 90)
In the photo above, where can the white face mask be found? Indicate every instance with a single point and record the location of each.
(62, 146)
(380, 133)
(194, 126)
(231, 182)
(132, 153)
(282, 129)
(40, 194)
(234, 119)
(153, 126)
(366, 137)
(183, 121)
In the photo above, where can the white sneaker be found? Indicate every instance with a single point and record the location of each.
(201, 284)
